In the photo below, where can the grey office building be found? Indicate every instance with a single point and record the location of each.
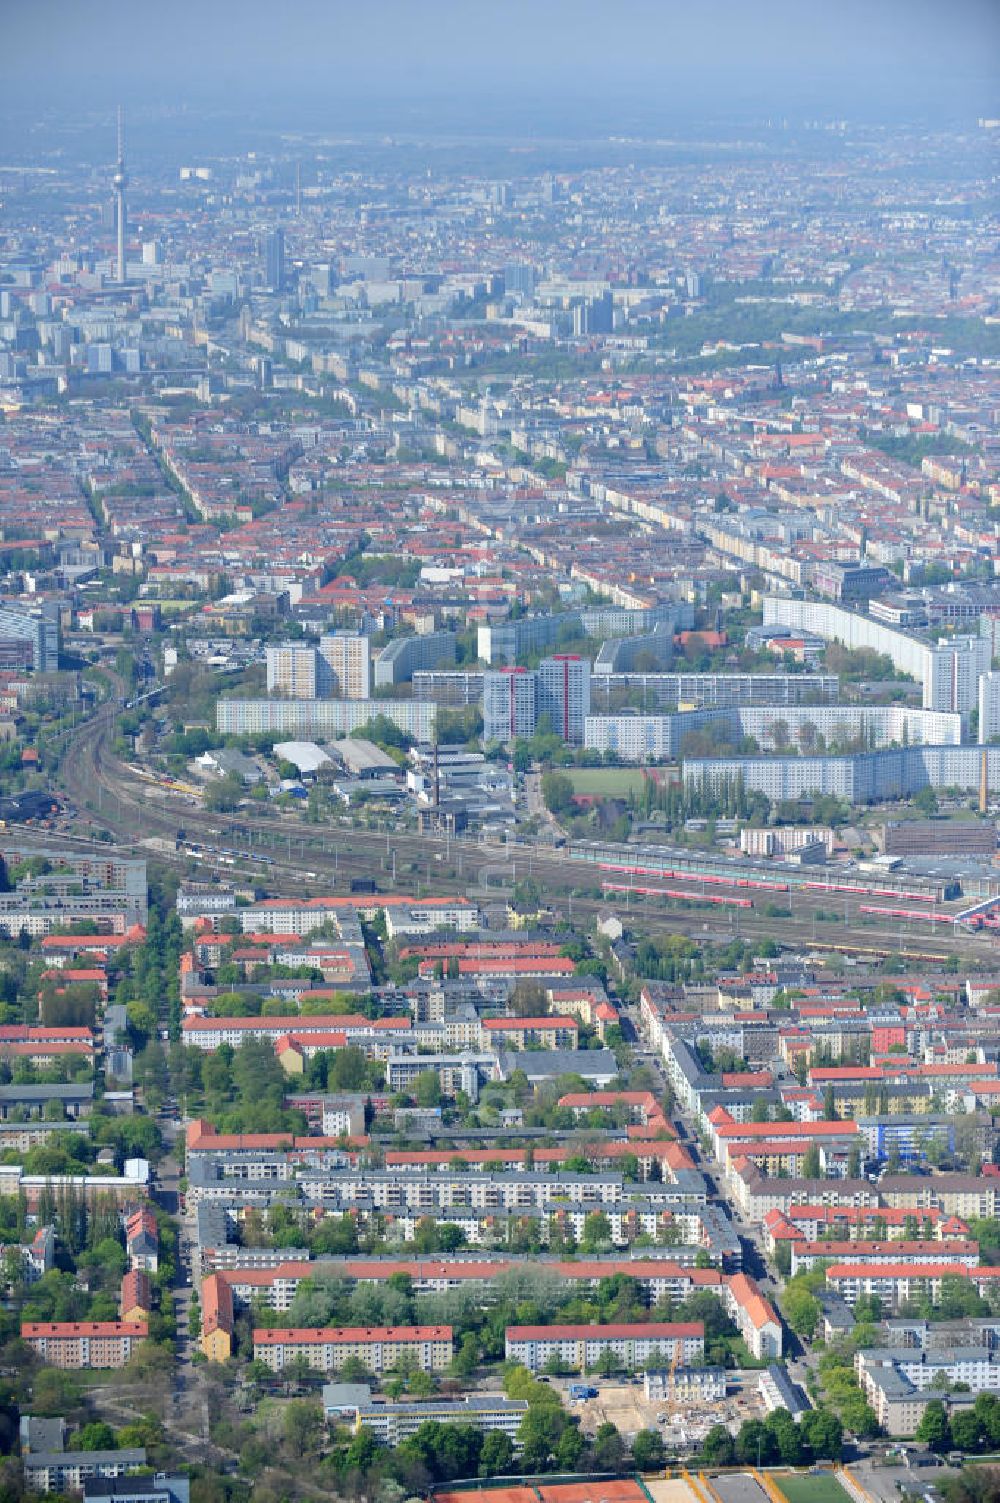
(397, 663)
(38, 628)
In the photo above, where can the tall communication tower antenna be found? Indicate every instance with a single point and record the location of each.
(121, 183)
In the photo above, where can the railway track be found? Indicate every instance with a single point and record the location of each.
(324, 859)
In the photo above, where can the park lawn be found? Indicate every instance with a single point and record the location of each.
(806, 1488)
(610, 782)
(99, 1377)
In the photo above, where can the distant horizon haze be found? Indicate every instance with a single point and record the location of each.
(529, 67)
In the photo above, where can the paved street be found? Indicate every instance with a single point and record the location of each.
(886, 1483)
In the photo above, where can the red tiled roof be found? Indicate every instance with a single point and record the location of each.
(508, 1025)
(904, 1271)
(321, 1335)
(779, 1130)
(68, 1329)
(747, 1295)
(217, 1304)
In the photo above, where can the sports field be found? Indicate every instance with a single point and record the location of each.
(821, 1487)
(609, 782)
(670, 1490)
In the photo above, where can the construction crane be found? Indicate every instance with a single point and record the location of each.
(672, 1379)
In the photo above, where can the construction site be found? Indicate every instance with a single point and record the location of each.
(682, 1423)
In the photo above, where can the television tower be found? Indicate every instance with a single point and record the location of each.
(120, 184)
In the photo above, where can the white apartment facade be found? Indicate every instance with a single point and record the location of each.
(308, 718)
(585, 1347)
(378, 1348)
(508, 705)
(346, 659)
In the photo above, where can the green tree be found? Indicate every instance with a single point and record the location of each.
(557, 791)
(823, 1434)
(570, 1450)
(802, 1310)
(811, 1168)
(608, 1449)
(303, 1428)
(718, 1448)
(966, 1432)
(425, 1235)
(539, 1434)
(54, 1392)
(596, 1232)
(648, 1451)
(466, 1358)
(497, 1454)
(974, 1484)
(362, 1451)
(756, 1444)
(987, 1410)
(934, 1429)
(348, 1071)
(859, 1417)
(422, 1385)
(787, 1437)
(223, 795)
(335, 1236)
(868, 1309)
(96, 1436)
(427, 1089)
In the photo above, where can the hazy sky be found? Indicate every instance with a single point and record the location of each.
(872, 56)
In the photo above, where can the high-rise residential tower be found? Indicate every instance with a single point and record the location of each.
(563, 694)
(274, 259)
(508, 704)
(346, 665)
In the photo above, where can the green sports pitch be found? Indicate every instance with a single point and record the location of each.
(809, 1487)
(606, 782)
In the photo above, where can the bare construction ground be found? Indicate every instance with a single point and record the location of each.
(625, 1405)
